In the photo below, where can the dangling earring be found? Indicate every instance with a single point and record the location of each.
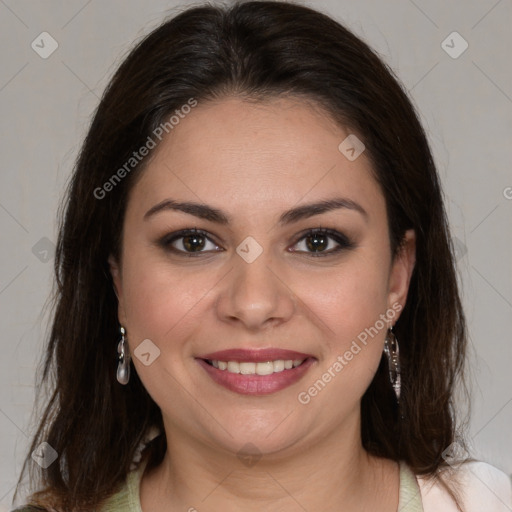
(393, 355)
(123, 367)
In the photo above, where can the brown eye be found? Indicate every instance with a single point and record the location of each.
(189, 242)
(317, 242)
(193, 243)
(323, 242)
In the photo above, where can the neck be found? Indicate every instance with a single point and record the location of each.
(318, 476)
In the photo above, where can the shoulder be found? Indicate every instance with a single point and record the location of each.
(480, 486)
(125, 499)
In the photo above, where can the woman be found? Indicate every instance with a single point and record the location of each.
(257, 305)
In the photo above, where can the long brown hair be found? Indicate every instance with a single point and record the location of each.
(255, 50)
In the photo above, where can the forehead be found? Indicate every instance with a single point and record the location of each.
(255, 157)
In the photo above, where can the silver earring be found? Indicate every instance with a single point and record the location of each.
(123, 367)
(393, 355)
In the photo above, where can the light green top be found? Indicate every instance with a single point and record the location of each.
(127, 499)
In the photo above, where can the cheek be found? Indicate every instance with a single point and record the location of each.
(161, 303)
(347, 299)
(353, 308)
(352, 305)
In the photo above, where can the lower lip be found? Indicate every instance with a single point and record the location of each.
(257, 384)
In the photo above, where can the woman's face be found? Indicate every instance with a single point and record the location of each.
(256, 277)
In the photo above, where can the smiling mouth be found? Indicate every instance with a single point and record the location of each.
(255, 378)
(255, 368)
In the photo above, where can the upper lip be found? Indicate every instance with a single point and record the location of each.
(261, 355)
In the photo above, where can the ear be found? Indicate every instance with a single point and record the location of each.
(401, 270)
(115, 271)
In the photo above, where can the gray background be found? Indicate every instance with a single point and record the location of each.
(465, 104)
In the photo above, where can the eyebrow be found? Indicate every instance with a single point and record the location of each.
(212, 214)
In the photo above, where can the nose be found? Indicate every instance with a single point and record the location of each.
(255, 295)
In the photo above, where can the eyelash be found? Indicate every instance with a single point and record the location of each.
(342, 241)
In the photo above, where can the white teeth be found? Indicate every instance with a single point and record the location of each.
(265, 368)
(260, 368)
(246, 368)
(233, 367)
(278, 365)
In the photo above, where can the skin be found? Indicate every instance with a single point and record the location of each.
(254, 161)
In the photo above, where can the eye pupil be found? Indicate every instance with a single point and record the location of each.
(193, 242)
(317, 242)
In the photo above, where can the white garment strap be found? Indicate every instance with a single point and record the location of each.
(410, 495)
